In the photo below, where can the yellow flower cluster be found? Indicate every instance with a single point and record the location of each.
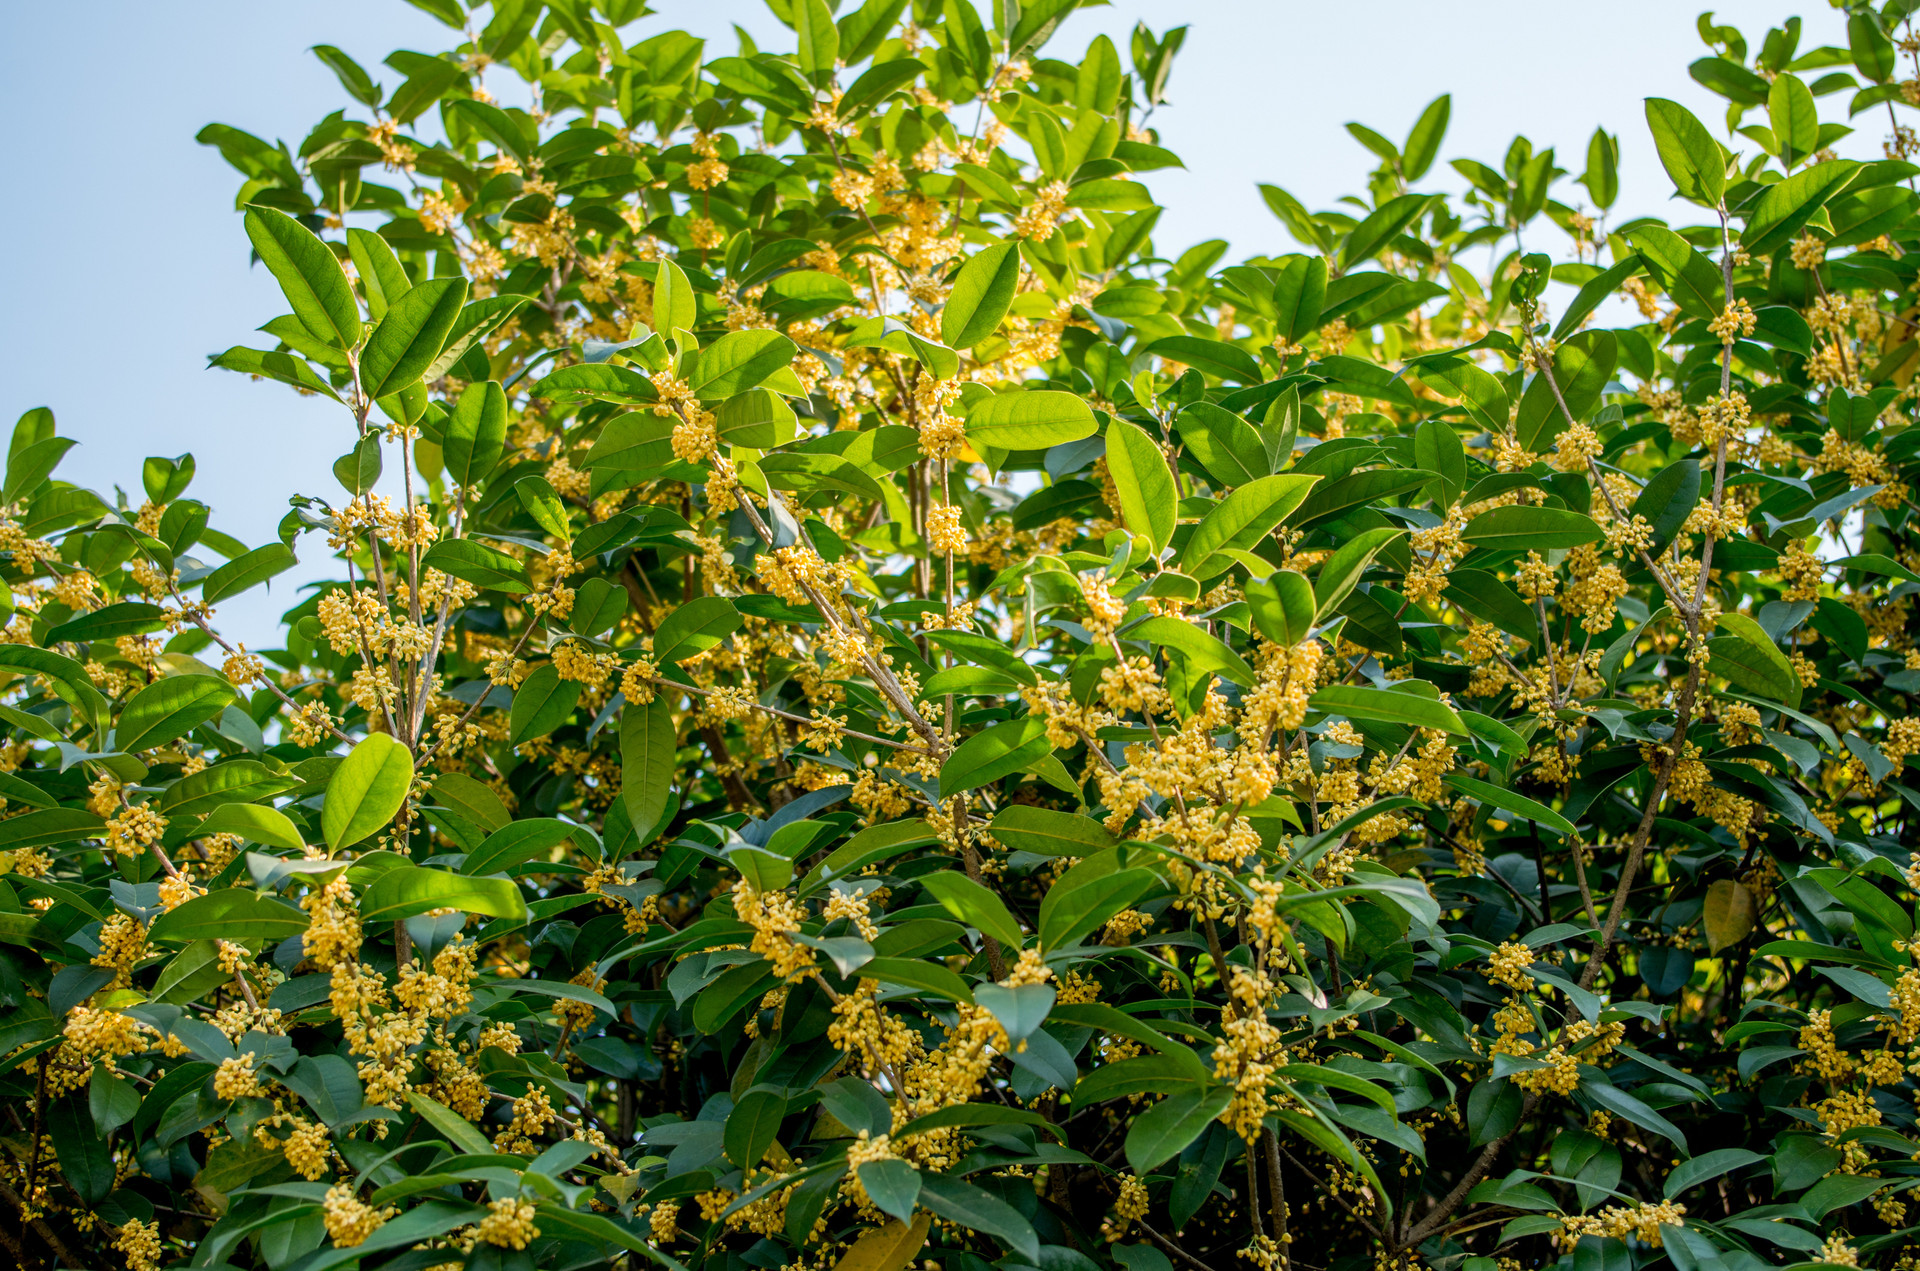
(349, 1220)
(1508, 965)
(774, 917)
(135, 830)
(1248, 1053)
(508, 1225)
(1618, 1222)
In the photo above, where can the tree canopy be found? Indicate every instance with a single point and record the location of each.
(872, 711)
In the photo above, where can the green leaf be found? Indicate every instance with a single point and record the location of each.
(1484, 596)
(974, 905)
(753, 1125)
(1873, 53)
(1164, 1130)
(1283, 606)
(382, 278)
(918, 973)
(231, 913)
(414, 889)
(192, 973)
(1225, 444)
(26, 792)
(429, 78)
(1034, 419)
(562, 990)
(1381, 227)
(1241, 520)
(648, 739)
(892, 1184)
(1747, 656)
(476, 434)
(1784, 208)
(477, 320)
(1689, 1174)
(352, 76)
(1794, 117)
(1437, 448)
(478, 564)
(1630, 1108)
(597, 606)
(1423, 142)
(1602, 177)
(1507, 801)
(284, 367)
(877, 83)
(1020, 1010)
(819, 43)
(1479, 391)
(1037, 22)
(1388, 706)
(541, 704)
(518, 843)
(1045, 832)
(815, 472)
(997, 751)
(68, 678)
(740, 360)
(1344, 569)
(543, 503)
(766, 871)
(772, 85)
(493, 123)
(53, 825)
(84, 1160)
(112, 1100)
(1667, 500)
(30, 466)
(128, 618)
(170, 708)
(308, 273)
(1212, 357)
(758, 418)
(1522, 529)
(471, 799)
(247, 572)
(1299, 294)
(1358, 489)
(1692, 158)
(366, 790)
(1148, 501)
(1693, 282)
(411, 336)
(1074, 908)
(602, 381)
(975, 1210)
(982, 293)
(693, 628)
(457, 1129)
(255, 824)
(1582, 367)
(1203, 651)
(1593, 292)
(358, 470)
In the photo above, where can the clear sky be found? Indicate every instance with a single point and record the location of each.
(131, 266)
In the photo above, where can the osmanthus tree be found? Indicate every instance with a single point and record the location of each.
(872, 713)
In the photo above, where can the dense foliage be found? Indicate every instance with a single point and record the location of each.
(883, 716)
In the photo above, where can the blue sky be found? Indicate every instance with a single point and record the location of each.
(131, 267)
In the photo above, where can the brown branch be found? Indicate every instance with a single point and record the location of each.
(41, 1229)
(1278, 1198)
(1438, 1215)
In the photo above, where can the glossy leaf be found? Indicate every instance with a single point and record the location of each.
(366, 790)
